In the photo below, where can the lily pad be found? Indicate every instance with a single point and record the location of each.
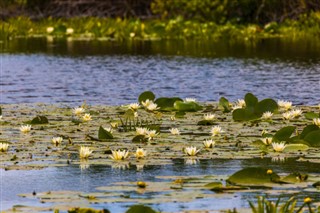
(284, 133)
(311, 115)
(39, 120)
(313, 138)
(104, 134)
(296, 147)
(187, 106)
(307, 130)
(140, 209)
(225, 104)
(167, 104)
(253, 177)
(146, 95)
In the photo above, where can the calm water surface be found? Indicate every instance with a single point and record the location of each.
(37, 70)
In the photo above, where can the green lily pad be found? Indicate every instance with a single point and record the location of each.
(39, 120)
(296, 147)
(187, 106)
(167, 104)
(104, 134)
(266, 105)
(313, 138)
(284, 133)
(146, 95)
(251, 101)
(140, 209)
(224, 104)
(243, 115)
(140, 139)
(307, 130)
(311, 115)
(253, 177)
(206, 123)
(294, 178)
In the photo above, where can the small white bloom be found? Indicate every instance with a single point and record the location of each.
(50, 30)
(140, 153)
(78, 111)
(146, 103)
(86, 117)
(175, 131)
(0, 117)
(190, 100)
(56, 140)
(84, 152)
(264, 132)
(216, 130)
(134, 106)
(286, 105)
(267, 140)
(4, 147)
(240, 104)
(119, 155)
(316, 121)
(25, 129)
(191, 151)
(267, 115)
(141, 131)
(209, 143)
(209, 117)
(152, 107)
(172, 118)
(132, 34)
(135, 114)
(114, 124)
(109, 129)
(278, 147)
(151, 134)
(69, 31)
(287, 115)
(296, 113)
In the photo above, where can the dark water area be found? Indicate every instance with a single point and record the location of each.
(106, 72)
(73, 178)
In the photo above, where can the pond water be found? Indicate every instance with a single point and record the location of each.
(110, 73)
(73, 178)
(104, 72)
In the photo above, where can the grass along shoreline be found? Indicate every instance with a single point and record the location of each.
(178, 28)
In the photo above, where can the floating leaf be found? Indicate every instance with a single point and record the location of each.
(167, 104)
(104, 134)
(253, 176)
(140, 209)
(307, 130)
(225, 104)
(313, 138)
(179, 114)
(140, 139)
(284, 133)
(311, 115)
(266, 105)
(39, 120)
(243, 115)
(206, 123)
(187, 106)
(294, 178)
(296, 147)
(251, 101)
(146, 95)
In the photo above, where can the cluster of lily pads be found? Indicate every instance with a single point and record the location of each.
(160, 122)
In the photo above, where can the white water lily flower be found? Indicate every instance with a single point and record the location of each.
(296, 113)
(0, 117)
(286, 105)
(134, 106)
(56, 140)
(151, 134)
(175, 131)
(78, 111)
(267, 140)
(278, 147)
(146, 103)
(119, 155)
(209, 143)
(140, 153)
(316, 121)
(216, 130)
(267, 115)
(287, 115)
(69, 31)
(191, 151)
(50, 29)
(25, 129)
(190, 100)
(109, 129)
(86, 117)
(4, 147)
(240, 104)
(85, 152)
(135, 114)
(264, 132)
(209, 117)
(141, 131)
(152, 107)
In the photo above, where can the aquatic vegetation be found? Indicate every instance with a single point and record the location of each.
(216, 130)
(151, 134)
(134, 106)
(4, 147)
(191, 150)
(25, 129)
(278, 147)
(56, 140)
(287, 115)
(174, 131)
(119, 155)
(86, 117)
(296, 113)
(284, 105)
(209, 143)
(267, 140)
(316, 121)
(85, 152)
(267, 115)
(239, 104)
(140, 153)
(190, 100)
(105, 134)
(150, 106)
(39, 120)
(141, 131)
(78, 111)
(209, 117)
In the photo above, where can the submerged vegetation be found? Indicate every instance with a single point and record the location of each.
(182, 129)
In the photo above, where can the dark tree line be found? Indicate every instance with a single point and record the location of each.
(220, 11)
